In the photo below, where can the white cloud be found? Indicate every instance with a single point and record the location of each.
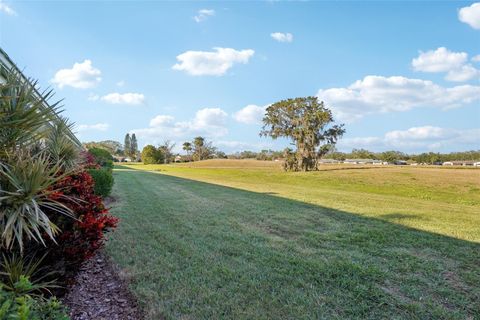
(124, 98)
(440, 60)
(212, 63)
(7, 9)
(378, 94)
(418, 134)
(476, 58)
(374, 143)
(208, 122)
(204, 14)
(98, 127)
(465, 73)
(120, 83)
(210, 117)
(161, 120)
(418, 139)
(282, 37)
(251, 114)
(237, 146)
(470, 15)
(444, 60)
(81, 75)
(93, 97)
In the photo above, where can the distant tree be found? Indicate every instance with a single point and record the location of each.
(202, 150)
(264, 155)
(220, 155)
(127, 145)
(391, 156)
(308, 123)
(133, 146)
(198, 142)
(166, 148)
(430, 158)
(152, 155)
(248, 155)
(362, 154)
(337, 155)
(113, 147)
(187, 147)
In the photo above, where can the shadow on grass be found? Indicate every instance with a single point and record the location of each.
(402, 216)
(219, 252)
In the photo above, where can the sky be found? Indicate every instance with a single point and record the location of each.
(400, 75)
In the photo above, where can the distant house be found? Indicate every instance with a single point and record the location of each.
(119, 158)
(460, 163)
(476, 164)
(328, 161)
(363, 161)
(179, 158)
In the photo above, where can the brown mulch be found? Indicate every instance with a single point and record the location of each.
(98, 293)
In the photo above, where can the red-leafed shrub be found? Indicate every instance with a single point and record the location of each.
(88, 160)
(80, 238)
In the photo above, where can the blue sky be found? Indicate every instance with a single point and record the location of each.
(400, 75)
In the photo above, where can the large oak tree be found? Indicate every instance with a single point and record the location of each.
(308, 123)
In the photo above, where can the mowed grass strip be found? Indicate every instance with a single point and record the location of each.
(196, 250)
(435, 199)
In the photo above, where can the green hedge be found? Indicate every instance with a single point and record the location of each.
(103, 181)
(102, 157)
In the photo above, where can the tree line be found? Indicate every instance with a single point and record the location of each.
(115, 148)
(310, 127)
(390, 156)
(197, 149)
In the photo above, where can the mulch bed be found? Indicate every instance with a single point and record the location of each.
(99, 293)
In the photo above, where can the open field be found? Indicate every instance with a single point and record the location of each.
(208, 241)
(444, 200)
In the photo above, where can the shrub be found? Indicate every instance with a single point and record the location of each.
(102, 157)
(18, 304)
(152, 155)
(103, 181)
(81, 238)
(14, 267)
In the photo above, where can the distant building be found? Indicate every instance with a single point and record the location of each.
(461, 163)
(328, 161)
(119, 158)
(400, 162)
(363, 161)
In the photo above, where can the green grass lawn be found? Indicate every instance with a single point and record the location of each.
(220, 242)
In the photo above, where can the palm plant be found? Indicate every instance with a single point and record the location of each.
(37, 149)
(59, 146)
(23, 116)
(25, 196)
(16, 267)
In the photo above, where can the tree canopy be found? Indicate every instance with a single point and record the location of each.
(127, 145)
(308, 123)
(202, 149)
(152, 155)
